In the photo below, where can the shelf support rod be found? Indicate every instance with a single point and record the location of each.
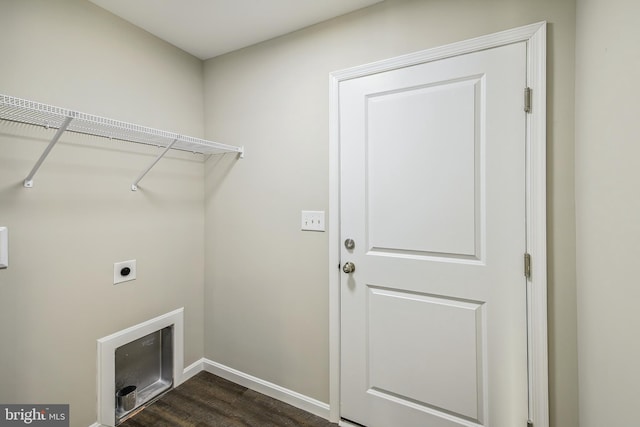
(134, 186)
(28, 181)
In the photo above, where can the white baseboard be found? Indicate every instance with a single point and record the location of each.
(191, 370)
(275, 391)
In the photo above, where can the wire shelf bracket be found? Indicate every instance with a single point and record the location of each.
(134, 186)
(64, 120)
(28, 181)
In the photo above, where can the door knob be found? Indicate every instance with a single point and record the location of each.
(349, 267)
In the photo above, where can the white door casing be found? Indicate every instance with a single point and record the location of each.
(459, 392)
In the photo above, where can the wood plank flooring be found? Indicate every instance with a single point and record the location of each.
(207, 400)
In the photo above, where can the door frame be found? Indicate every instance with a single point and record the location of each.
(535, 169)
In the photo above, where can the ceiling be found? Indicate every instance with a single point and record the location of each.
(208, 28)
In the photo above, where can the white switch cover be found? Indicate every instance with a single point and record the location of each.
(120, 272)
(312, 221)
(4, 247)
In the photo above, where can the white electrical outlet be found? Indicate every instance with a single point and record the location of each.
(4, 247)
(124, 271)
(312, 221)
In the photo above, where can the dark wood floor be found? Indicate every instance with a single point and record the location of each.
(207, 400)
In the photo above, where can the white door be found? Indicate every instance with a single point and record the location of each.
(432, 193)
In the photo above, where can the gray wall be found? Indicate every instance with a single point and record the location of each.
(235, 225)
(57, 297)
(266, 294)
(608, 210)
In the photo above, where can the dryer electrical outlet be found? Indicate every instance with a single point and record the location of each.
(124, 271)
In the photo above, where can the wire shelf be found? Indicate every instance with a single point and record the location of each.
(34, 113)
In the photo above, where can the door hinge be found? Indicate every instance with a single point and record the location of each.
(527, 266)
(527, 99)
(529, 423)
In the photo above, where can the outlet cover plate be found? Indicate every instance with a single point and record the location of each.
(4, 247)
(118, 277)
(312, 221)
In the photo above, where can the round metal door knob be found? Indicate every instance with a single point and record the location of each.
(349, 267)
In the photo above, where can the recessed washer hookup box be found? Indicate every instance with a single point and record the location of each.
(144, 370)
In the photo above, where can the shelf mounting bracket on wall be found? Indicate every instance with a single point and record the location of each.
(28, 181)
(134, 186)
(34, 113)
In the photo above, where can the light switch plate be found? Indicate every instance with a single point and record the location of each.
(312, 221)
(4, 247)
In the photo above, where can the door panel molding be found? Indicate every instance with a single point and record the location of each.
(535, 37)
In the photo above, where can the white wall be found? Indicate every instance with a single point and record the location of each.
(57, 297)
(608, 210)
(266, 293)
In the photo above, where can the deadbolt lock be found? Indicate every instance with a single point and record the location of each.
(349, 244)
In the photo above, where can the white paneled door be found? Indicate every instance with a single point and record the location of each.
(432, 194)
